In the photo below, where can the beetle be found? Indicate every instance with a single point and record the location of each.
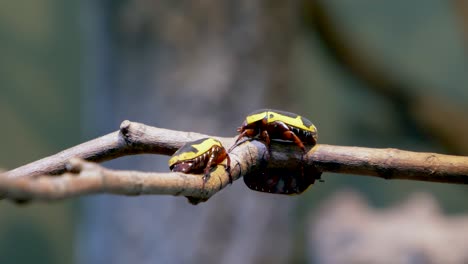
(269, 124)
(275, 124)
(200, 156)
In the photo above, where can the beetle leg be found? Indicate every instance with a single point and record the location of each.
(222, 155)
(211, 160)
(289, 135)
(228, 164)
(264, 133)
(250, 132)
(266, 137)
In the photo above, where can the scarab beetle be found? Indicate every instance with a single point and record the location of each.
(270, 124)
(200, 156)
(275, 124)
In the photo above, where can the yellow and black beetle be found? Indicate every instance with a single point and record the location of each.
(200, 156)
(270, 124)
(275, 124)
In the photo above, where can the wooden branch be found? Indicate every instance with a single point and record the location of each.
(34, 180)
(132, 138)
(91, 178)
(391, 163)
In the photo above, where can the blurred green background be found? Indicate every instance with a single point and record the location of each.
(40, 55)
(41, 105)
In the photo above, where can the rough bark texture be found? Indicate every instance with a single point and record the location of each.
(391, 163)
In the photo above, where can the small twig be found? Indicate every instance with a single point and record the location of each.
(33, 181)
(91, 178)
(132, 138)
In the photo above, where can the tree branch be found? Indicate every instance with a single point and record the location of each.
(91, 178)
(132, 138)
(78, 177)
(391, 163)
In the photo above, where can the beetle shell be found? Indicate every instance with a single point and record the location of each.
(193, 149)
(270, 124)
(275, 124)
(288, 118)
(198, 156)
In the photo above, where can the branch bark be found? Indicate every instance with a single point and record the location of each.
(91, 178)
(80, 177)
(132, 138)
(391, 163)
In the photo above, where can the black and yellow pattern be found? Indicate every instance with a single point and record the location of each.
(193, 150)
(200, 156)
(267, 125)
(288, 118)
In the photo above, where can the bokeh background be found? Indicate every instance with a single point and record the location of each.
(388, 74)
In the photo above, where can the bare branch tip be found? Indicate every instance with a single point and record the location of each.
(74, 165)
(124, 127)
(77, 165)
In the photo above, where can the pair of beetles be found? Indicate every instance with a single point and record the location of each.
(202, 155)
